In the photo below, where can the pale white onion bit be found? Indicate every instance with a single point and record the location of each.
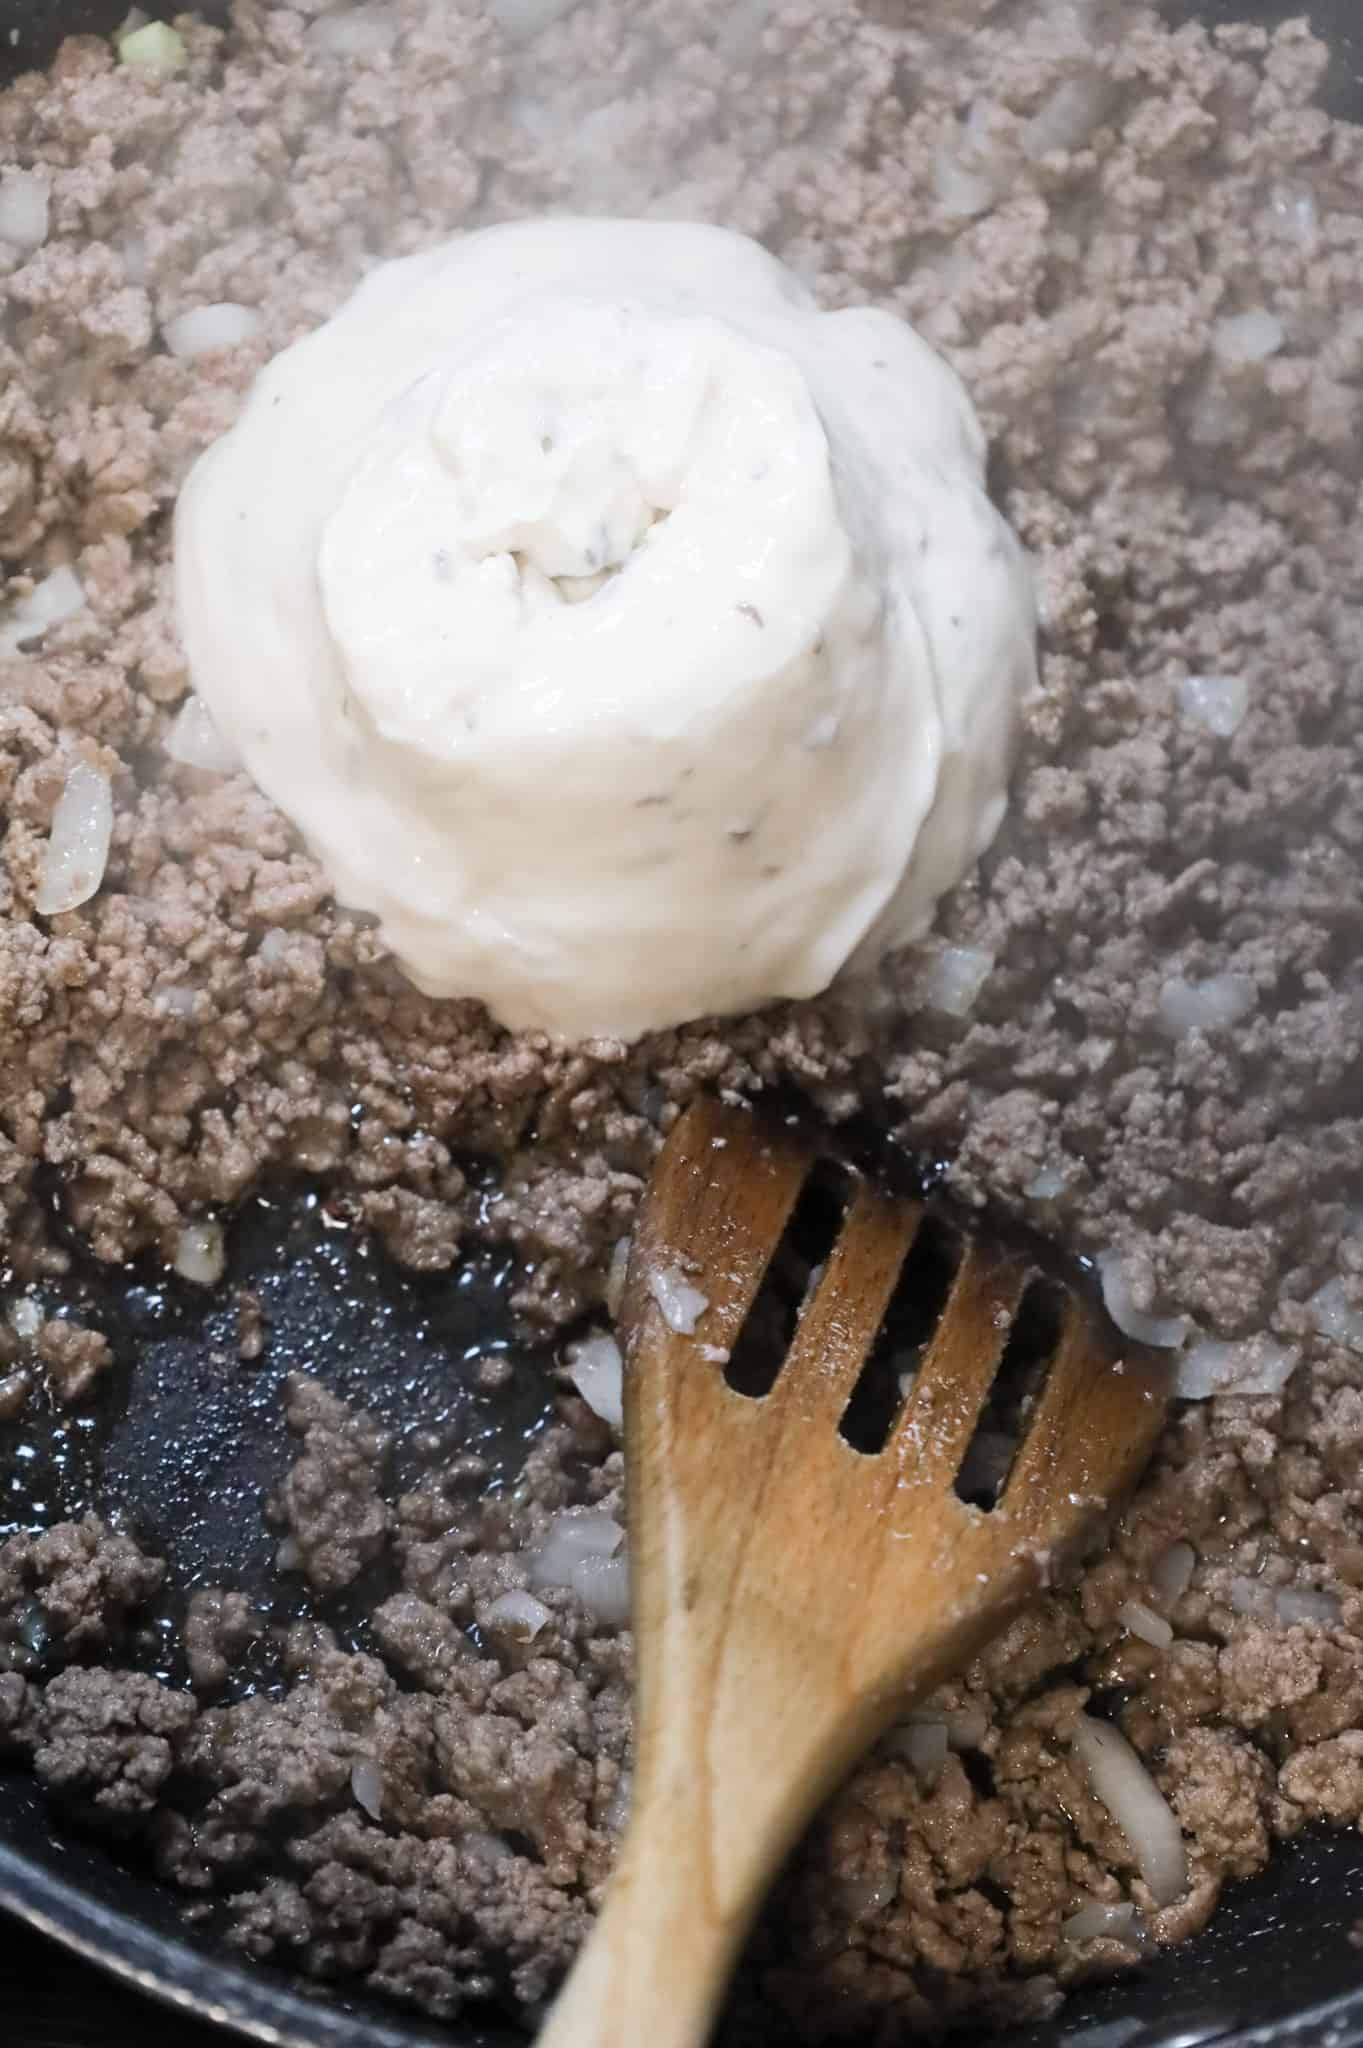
(351, 32)
(1304, 1604)
(195, 742)
(682, 1304)
(1335, 1316)
(582, 1550)
(1164, 1333)
(519, 1613)
(1098, 1921)
(1171, 1574)
(77, 842)
(954, 977)
(1120, 1780)
(1212, 1366)
(597, 1371)
(208, 330)
(1218, 702)
(602, 1585)
(524, 19)
(1067, 119)
(1249, 337)
(24, 197)
(366, 1785)
(53, 600)
(201, 1254)
(923, 1741)
(25, 1317)
(1140, 1620)
(1214, 1004)
(153, 46)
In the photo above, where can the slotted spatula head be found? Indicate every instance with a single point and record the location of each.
(793, 1594)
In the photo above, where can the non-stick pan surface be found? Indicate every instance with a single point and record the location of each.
(189, 1445)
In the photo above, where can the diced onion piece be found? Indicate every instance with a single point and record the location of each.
(955, 976)
(77, 843)
(1256, 1365)
(967, 1727)
(288, 1556)
(1283, 1606)
(962, 190)
(1211, 1005)
(485, 1847)
(1218, 702)
(274, 946)
(1295, 211)
(1296, 1604)
(923, 1742)
(1250, 337)
(355, 31)
(597, 1371)
(366, 1783)
(682, 1304)
(602, 1585)
(1143, 1621)
(1171, 1574)
(24, 199)
(615, 1278)
(1046, 1184)
(1099, 1922)
(133, 251)
(519, 1613)
(201, 1254)
(571, 1536)
(1067, 118)
(157, 47)
(1164, 1333)
(1125, 1787)
(526, 18)
(860, 1897)
(25, 1318)
(207, 330)
(195, 742)
(57, 598)
(1335, 1316)
(1253, 1599)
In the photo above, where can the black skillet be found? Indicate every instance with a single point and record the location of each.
(193, 1445)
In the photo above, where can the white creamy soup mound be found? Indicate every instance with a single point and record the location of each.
(633, 639)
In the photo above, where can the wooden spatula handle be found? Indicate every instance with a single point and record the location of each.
(656, 1964)
(791, 1595)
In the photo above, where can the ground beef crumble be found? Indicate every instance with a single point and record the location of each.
(330, 1502)
(1094, 217)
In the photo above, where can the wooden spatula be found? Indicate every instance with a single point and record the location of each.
(792, 1595)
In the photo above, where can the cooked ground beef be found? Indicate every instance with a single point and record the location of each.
(1142, 249)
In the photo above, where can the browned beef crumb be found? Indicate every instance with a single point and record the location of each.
(330, 1501)
(108, 1738)
(211, 1017)
(252, 1327)
(217, 1628)
(73, 1586)
(72, 1359)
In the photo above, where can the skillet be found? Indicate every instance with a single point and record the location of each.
(1278, 1967)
